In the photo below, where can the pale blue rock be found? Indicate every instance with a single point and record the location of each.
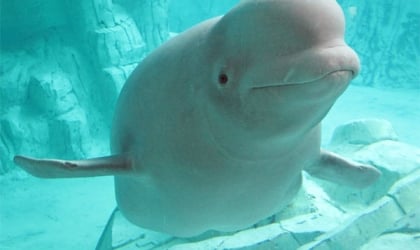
(363, 132)
(394, 241)
(359, 230)
(263, 238)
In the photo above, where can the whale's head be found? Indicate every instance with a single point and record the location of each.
(277, 67)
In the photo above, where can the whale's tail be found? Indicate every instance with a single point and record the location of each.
(105, 242)
(54, 168)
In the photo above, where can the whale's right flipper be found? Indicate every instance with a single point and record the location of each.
(53, 168)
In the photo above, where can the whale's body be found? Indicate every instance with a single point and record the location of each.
(214, 128)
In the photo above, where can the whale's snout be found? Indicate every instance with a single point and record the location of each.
(306, 66)
(316, 64)
(351, 63)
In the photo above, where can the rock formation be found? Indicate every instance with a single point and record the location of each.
(385, 35)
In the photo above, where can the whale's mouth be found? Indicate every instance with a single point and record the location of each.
(336, 77)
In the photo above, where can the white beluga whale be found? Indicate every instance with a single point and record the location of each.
(213, 129)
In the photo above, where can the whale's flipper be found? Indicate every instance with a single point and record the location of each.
(53, 168)
(334, 168)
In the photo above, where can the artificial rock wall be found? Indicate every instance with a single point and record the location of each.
(63, 63)
(385, 34)
(63, 66)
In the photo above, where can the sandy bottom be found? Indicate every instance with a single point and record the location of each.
(70, 214)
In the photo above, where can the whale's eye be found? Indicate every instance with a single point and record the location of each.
(223, 79)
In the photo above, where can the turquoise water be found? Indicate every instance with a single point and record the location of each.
(63, 64)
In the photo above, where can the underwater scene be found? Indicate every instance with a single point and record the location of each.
(184, 125)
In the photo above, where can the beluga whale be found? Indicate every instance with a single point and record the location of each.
(213, 129)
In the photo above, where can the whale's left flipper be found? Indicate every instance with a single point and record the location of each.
(53, 168)
(334, 168)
